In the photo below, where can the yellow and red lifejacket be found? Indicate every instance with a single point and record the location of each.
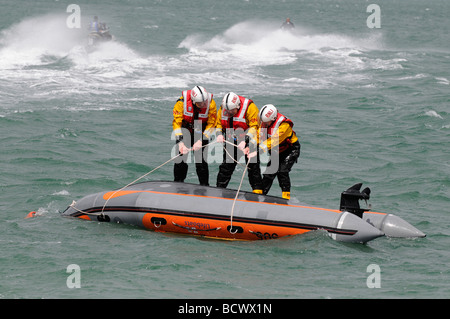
(273, 128)
(239, 120)
(188, 108)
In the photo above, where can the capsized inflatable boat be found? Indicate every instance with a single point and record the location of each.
(217, 213)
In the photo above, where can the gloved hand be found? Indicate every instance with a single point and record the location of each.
(252, 154)
(219, 138)
(183, 149)
(241, 145)
(197, 145)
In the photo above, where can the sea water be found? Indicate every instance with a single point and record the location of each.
(370, 103)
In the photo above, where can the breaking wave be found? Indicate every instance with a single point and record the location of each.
(36, 41)
(265, 43)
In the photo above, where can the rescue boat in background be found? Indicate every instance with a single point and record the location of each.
(213, 212)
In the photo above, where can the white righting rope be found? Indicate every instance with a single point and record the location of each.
(240, 185)
(156, 168)
(80, 211)
(135, 181)
(228, 153)
(235, 198)
(168, 161)
(112, 195)
(146, 174)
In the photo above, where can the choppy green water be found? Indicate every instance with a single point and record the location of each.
(369, 105)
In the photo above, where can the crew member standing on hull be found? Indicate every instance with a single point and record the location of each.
(194, 119)
(277, 138)
(237, 123)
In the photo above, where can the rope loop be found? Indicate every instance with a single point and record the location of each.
(234, 201)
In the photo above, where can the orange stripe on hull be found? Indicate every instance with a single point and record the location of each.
(115, 194)
(375, 213)
(216, 228)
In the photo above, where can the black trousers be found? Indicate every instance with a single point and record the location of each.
(180, 167)
(286, 159)
(228, 166)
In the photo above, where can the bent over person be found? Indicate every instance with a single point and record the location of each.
(236, 124)
(277, 138)
(194, 118)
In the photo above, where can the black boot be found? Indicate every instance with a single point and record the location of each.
(180, 171)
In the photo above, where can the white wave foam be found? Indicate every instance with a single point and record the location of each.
(243, 42)
(231, 58)
(46, 39)
(442, 80)
(32, 40)
(432, 113)
(109, 60)
(318, 60)
(62, 193)
(263, 43)
(413, 77)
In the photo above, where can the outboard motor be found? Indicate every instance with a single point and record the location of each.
(350, 199)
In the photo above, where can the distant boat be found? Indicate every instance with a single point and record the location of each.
(213, 212)
(97, 37)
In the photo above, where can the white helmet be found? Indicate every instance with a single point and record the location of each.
(231, 101)
(199, 95)
(267, 114)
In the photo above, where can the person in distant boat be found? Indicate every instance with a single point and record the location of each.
(277, 138)
(237, 123)
(194, 118)
(287, 25)
(95, 26)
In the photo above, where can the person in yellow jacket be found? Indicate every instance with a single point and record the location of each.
(194, 120)
(237, 123)
(276, 137)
